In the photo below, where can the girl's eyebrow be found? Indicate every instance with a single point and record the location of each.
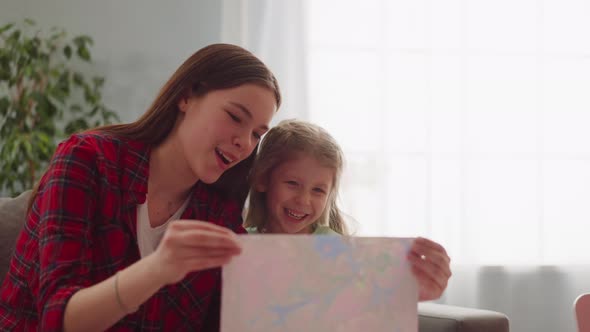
(322, 185)
(291, 175)
(247, 112)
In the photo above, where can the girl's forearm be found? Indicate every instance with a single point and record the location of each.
(99, 307)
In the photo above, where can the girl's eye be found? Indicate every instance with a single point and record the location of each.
(256, 135)
(291, 183)
(234, 118)
(319, 190)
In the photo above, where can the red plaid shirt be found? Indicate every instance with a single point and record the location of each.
(82, 229)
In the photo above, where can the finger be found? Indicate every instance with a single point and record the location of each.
(433, 262)
(185, 253)
(429, 288)
(435, 270)
(187, 224)
(209, 263)
(206, 239)
(431, 251)
(430, 280)
(428, 245)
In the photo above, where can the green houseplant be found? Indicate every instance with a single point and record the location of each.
(44, 96)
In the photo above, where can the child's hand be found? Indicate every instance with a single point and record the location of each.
(192, 245)
(431, 266)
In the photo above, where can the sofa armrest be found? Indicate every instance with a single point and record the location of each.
(434, 317)
(12, 216)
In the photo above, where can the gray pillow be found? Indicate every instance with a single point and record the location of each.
(12, 216)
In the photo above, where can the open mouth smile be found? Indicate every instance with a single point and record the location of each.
(297, 216)
(225, 158)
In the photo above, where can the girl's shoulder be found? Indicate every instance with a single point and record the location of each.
(102, 141)
(99, 156)
(98, 148)
(320, 230)
(324, 230)
(252, 230)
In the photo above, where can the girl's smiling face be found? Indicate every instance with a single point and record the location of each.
(222, 128)
(296, 194)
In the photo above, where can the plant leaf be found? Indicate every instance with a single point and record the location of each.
(6, 27)
(68, 51)
(83, 53)
(44, 94)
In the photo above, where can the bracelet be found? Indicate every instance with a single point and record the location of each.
(121, 305)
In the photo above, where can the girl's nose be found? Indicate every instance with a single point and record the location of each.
(243, 142)
(303, 198)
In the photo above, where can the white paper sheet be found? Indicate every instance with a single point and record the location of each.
(319, 283)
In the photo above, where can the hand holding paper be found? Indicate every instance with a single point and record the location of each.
(431, 266)
(192, 245)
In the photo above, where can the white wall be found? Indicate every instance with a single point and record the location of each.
(137, 43)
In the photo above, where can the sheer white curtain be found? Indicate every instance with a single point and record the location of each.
(466, 121)
(275, 32)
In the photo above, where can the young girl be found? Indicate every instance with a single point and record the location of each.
(294, 186)
(294, 182)
(99, 249)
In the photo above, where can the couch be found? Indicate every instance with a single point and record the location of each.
(432, 317)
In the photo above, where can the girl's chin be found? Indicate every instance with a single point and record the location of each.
(210, 179)
(211, 176)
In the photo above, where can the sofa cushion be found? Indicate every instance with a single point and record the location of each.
(12, 216)
(447, 318)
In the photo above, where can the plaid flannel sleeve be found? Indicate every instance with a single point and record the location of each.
(65, 204)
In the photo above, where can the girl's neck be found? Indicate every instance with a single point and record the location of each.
(169, 173)
(272, 230)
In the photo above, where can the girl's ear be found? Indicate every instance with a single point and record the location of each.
(183, 102)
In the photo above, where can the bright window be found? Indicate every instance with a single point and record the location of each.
(465, 121)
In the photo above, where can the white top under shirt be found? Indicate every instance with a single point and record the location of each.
(149, 237)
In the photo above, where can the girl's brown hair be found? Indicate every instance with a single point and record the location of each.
(280, 145)
(214, 67)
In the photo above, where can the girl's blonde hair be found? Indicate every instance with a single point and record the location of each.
(280, 145)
